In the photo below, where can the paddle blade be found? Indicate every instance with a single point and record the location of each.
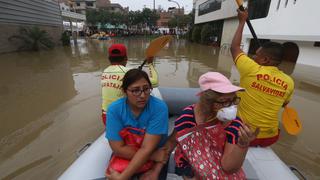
(291, 121)
(157, 44)
(239, 2)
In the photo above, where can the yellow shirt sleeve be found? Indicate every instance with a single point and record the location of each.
(153, 75)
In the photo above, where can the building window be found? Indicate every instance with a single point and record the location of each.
(316, 44)
(89, 4)
(78, 4)
(258, 8)
(209, 6)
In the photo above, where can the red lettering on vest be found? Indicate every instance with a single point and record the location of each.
(274, 80)
(267, 90)
(106, 76)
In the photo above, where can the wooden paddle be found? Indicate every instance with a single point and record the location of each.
(290, 118)
(291, 121)
(155, 46)
(254, 35)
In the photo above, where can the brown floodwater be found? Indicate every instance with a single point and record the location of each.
(50, 102)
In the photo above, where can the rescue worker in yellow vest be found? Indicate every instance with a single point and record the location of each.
(267, 89)
(111, 78)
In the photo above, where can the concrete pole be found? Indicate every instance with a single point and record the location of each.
(74, 36)
(77, 28)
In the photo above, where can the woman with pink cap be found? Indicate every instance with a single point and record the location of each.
(208, 147)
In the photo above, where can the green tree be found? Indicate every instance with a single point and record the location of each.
(190, 26)
(182, 21)
(104, 17)
(139, 18)
(33, 39)
(92, 17)
(65, 38)
(116, 18)
(196, 34)
(149, 17)
(172, 23)
(191, 17)
(206, 34)
(135, 18)
(189, 34)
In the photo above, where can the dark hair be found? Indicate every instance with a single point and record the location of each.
(290, 51)
(132, 76)
(274, 51)
(115, 59)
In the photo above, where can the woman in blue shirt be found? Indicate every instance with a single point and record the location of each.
(138, 110)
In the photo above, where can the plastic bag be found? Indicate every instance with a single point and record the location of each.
(203, 147)
(132, 137)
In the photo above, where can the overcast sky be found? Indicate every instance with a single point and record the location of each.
(139, 4)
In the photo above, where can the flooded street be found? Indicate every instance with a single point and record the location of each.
(50, 102)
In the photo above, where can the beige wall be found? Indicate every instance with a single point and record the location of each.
(102, 3)
(229, 28)
(8, 30)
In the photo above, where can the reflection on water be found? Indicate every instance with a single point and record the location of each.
(25, 168)
(31, 85)
(50, 102)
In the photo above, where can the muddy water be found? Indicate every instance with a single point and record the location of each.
(50, 102)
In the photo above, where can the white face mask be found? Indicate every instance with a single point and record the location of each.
(227, 114)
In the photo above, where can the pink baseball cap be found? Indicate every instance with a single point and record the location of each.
(217, 82)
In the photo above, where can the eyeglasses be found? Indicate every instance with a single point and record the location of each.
(138, 91)
(235, 101)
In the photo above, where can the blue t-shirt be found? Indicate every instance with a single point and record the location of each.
(153, 119)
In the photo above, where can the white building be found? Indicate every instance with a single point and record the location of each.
(72, 21)
(28, 13)
(276, 20)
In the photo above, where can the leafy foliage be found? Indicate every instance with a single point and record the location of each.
(180, 21)
(172, 23)
(196, 34)
(65, 38)
(33, 39)
(92, 17)
(206, 34)
(149, 17)
(189, 34)
(139, 18)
